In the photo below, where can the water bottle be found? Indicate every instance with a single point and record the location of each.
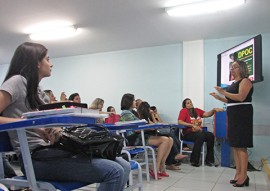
(224, 106)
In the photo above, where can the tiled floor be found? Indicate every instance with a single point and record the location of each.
(202, 179)
(206, 178)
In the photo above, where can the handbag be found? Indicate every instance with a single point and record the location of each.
(95, 141)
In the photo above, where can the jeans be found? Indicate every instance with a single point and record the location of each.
(49, 165)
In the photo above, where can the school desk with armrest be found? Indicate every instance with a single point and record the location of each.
(67, 120)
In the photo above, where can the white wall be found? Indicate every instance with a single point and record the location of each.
(193, 72)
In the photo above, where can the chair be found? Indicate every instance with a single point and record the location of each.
(191, 143)
(134, 166)
(139, 149)
(144, 150)
(21, 181)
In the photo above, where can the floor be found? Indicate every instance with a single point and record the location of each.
(191, 178)
(202, 179)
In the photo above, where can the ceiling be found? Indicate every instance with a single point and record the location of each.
(110, 25)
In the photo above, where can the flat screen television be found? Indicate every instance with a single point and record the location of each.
(250, 52)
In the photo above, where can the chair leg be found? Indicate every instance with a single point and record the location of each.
(154, 161)
(203, 154)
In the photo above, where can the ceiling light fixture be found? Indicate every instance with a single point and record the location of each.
(54, 34)
(202, 7)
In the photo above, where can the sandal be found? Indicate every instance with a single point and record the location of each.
(152, 174)
(173, 167)
(180, 157)
(186, 149)
(163, 174)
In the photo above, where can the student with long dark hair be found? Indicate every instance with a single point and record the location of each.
(192, 118)
(146, 113)
(163, 143)
(19, 93)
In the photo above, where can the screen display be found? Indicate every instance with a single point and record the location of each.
(249, 52)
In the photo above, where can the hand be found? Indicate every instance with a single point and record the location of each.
(196, 128)
(63, 96)
(51, 135)
(220, 90)
(111, 113)
(215, 95)
(218, 109)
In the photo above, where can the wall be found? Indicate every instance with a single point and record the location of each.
(152, 74)
(261, 93)
(155, 74)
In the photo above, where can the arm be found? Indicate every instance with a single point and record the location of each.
(63, 97)
(212, 112)
(158, 117)
(5, 101)
(244, 88)
(216, 96)
(51, 135)
(193, 126)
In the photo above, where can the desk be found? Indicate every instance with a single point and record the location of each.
(48, 122)
(221, 131)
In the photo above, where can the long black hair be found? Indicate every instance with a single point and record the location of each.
(25, 63)
(144, 111)
(192, 111)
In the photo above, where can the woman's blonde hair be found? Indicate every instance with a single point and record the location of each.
(96, 103)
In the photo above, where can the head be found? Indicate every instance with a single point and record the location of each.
(187, 103)
(154, 109)
(31, 60)
(110, 109)
(138, 102)
(50, 94)
(98, 103)
(144, 110)
(75, 97)
(239, 68)
(128, 102)
(232, 56)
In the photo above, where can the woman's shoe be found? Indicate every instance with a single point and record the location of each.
(233, 181)
(152, 174)
(180, 157)
(163, 174)
(173, 167)
(195, 164)
(245, 183)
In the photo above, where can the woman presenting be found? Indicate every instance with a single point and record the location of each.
(240, 119)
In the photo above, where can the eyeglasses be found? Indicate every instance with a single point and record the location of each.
(232, 68)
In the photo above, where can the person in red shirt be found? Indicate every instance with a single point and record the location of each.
(192, 118)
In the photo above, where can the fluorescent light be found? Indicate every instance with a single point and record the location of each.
(54, 34)
(203, 7)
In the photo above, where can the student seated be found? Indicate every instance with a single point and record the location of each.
(163, 143)
(191, 118)
(75, 97)
(146, 113)
(19, 94)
